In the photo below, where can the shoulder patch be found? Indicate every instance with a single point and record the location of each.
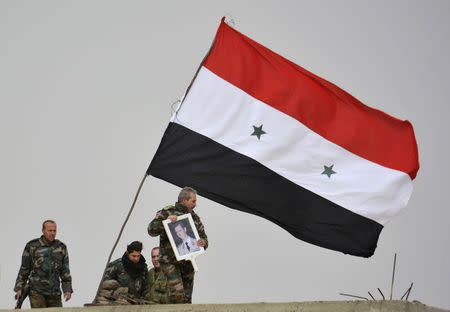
(115, 263)
(169, 207)
(60, 243)
(33, 241)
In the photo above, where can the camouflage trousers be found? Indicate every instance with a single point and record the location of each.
(44, 301)
(180, 281)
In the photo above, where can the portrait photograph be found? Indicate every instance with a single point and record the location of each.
(183, 237)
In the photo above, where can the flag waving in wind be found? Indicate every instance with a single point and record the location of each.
(260, 134)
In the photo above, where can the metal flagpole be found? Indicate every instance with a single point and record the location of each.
(198, 70)
(120, 234)
(393, 275)
(146, 174)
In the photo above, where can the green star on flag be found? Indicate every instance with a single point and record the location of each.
(258, 131)
(328, 170)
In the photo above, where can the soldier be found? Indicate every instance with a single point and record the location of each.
(130, 272)
(45, 265)
(180, 274)
(157, 282)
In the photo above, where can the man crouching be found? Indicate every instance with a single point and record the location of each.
(125, 280)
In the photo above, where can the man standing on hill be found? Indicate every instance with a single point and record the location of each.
(180, 274)
(45, 266)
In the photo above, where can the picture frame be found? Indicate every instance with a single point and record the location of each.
(183, 237)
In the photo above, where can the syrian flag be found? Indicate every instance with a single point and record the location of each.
(260, 134)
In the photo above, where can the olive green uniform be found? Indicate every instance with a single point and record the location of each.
(180, 274)
(157, 286)
(46, 267)
(136, 282)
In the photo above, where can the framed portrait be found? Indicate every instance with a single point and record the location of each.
(183, 237)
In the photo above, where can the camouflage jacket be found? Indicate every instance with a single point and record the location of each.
(156, 228)
(136, 282)
(157, 285)
(45, 265)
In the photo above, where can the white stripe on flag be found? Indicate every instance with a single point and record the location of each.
(226, 114)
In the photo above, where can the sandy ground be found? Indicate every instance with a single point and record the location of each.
(315, 306)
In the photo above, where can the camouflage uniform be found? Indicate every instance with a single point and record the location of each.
(45, 264)
(136, 282)
(180, 274)
(157, 285)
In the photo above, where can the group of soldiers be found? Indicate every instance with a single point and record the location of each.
(127, 280)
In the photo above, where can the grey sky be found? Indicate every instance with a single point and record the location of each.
(86, 89)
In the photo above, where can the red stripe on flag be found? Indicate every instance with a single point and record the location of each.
(318, 104)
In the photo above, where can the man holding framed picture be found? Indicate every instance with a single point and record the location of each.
(180, 274)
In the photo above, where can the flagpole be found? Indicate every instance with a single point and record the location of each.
(146, 174)
(196, 72)
(120, 234)
(393, 274)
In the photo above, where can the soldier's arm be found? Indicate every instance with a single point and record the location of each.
(145, 288)
(150, 280)
(156, 227)
(66, 278)
(110, 273)
(21, 295)
(25, 269)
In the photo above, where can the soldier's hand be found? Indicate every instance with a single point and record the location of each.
(201, 243)
(67, 296)
(172, 218)
(18, 293)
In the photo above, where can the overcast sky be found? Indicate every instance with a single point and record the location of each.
(86, 89)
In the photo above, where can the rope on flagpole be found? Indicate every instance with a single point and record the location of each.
(195, 76)
(230, 20)
(118, 237)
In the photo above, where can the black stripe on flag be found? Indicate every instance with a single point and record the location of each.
(186, 158)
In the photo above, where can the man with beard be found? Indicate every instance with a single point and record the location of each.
(130, 272)
(157, 281)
